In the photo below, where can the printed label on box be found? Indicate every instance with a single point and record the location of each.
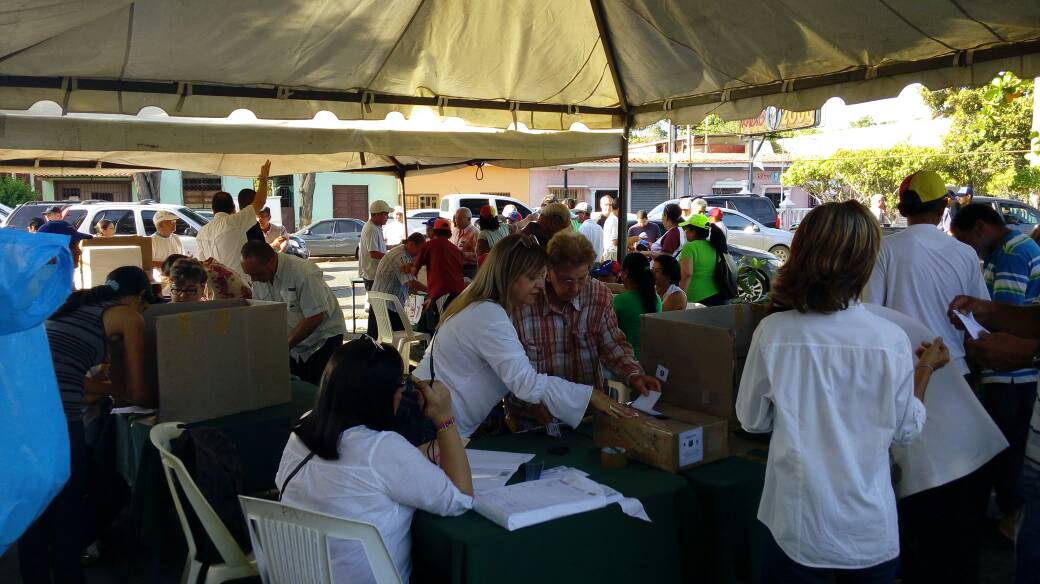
(662, 373)
(691, 447)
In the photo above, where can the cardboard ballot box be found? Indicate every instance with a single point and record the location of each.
(143, 243)
(211, 359)
(699, 355)
(682, 440)
(99, 261)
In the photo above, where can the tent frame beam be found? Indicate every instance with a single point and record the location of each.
(608, 49)
(275, 93)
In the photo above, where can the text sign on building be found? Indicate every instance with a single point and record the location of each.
(774, 119)
(767, 177)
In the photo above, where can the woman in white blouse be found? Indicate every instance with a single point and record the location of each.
(836, 386)
(344, 459)
(477, 354)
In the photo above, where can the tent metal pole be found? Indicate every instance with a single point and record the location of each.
(623, 203)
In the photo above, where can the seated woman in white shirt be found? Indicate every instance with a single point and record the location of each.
(836, 386)
(343, 458)
(477, 353)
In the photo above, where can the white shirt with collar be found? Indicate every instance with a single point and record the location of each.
(610, 234)
(301, 286)
(379, 478)
(223, 237)
(918, 272)
(478, 355)
(371, 240)
(594, 233)
(836, 391)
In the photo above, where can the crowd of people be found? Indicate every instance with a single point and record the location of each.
(531, 317)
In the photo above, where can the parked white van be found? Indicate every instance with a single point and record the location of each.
(452, 203)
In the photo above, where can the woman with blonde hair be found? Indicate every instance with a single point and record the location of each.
(836, 386)
(477, 354)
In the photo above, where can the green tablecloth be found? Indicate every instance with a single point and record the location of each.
(604, 545)
(260, 436)
(728, 491)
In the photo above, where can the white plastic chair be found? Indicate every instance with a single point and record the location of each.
(400, 340)
(236, 563)
(292, 544)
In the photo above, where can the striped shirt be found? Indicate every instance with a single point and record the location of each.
(78, 342)
(1012, 275)
(389, 279)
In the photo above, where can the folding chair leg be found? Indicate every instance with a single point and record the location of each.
(191, 571)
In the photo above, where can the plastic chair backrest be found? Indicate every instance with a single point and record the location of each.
(161, 436)
(291, 544)
(379, 301)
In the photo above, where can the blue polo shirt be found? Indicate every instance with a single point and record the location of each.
(1012, 274)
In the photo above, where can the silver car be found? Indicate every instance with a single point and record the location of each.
(333, 237)
(745, 231)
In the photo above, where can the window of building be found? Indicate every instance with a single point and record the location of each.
(70, 193)
(422, 201)
(576, 193)
(198, 189)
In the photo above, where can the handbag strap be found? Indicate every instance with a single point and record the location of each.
(293, 474)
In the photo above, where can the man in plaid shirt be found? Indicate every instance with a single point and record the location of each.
(572, 332)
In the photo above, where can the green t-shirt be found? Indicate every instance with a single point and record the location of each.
(628, 306)
(702, 282)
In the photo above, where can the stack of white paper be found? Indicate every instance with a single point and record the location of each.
(491, 469)
(629, 505)
(539, 501)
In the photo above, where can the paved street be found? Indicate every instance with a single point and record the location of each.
(338, 274)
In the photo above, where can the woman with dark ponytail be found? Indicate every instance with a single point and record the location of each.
(80, 333)
(639, 298)
(705, 245)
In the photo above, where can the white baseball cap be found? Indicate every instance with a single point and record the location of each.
(582, 206)
(686, 203)
(161, 216)
(379, 206)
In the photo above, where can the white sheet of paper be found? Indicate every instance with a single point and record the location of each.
(646, 403)
(492, 469)
(971, 326)
(629, 506)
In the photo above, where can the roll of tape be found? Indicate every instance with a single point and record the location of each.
(613, 457)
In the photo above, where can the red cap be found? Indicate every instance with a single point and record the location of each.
(486, 212)
(715, 213)
(442, 224)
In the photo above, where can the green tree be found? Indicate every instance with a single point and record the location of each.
(864, 122)
(14, 192)
(858, 174)
(989, 135)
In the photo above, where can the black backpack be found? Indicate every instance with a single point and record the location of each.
(214, 464)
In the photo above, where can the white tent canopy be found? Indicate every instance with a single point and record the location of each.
(62, 144)
(546, 63)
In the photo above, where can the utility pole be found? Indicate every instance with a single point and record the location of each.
(671, 160)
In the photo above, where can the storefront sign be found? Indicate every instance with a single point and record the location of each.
(774, 119)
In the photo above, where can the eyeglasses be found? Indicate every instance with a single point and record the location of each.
(192, 291)
(570, 282)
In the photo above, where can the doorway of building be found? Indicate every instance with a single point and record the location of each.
(350, 201)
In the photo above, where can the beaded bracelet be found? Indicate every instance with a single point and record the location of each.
(447, 424)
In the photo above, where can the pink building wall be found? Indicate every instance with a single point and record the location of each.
(606, 178)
